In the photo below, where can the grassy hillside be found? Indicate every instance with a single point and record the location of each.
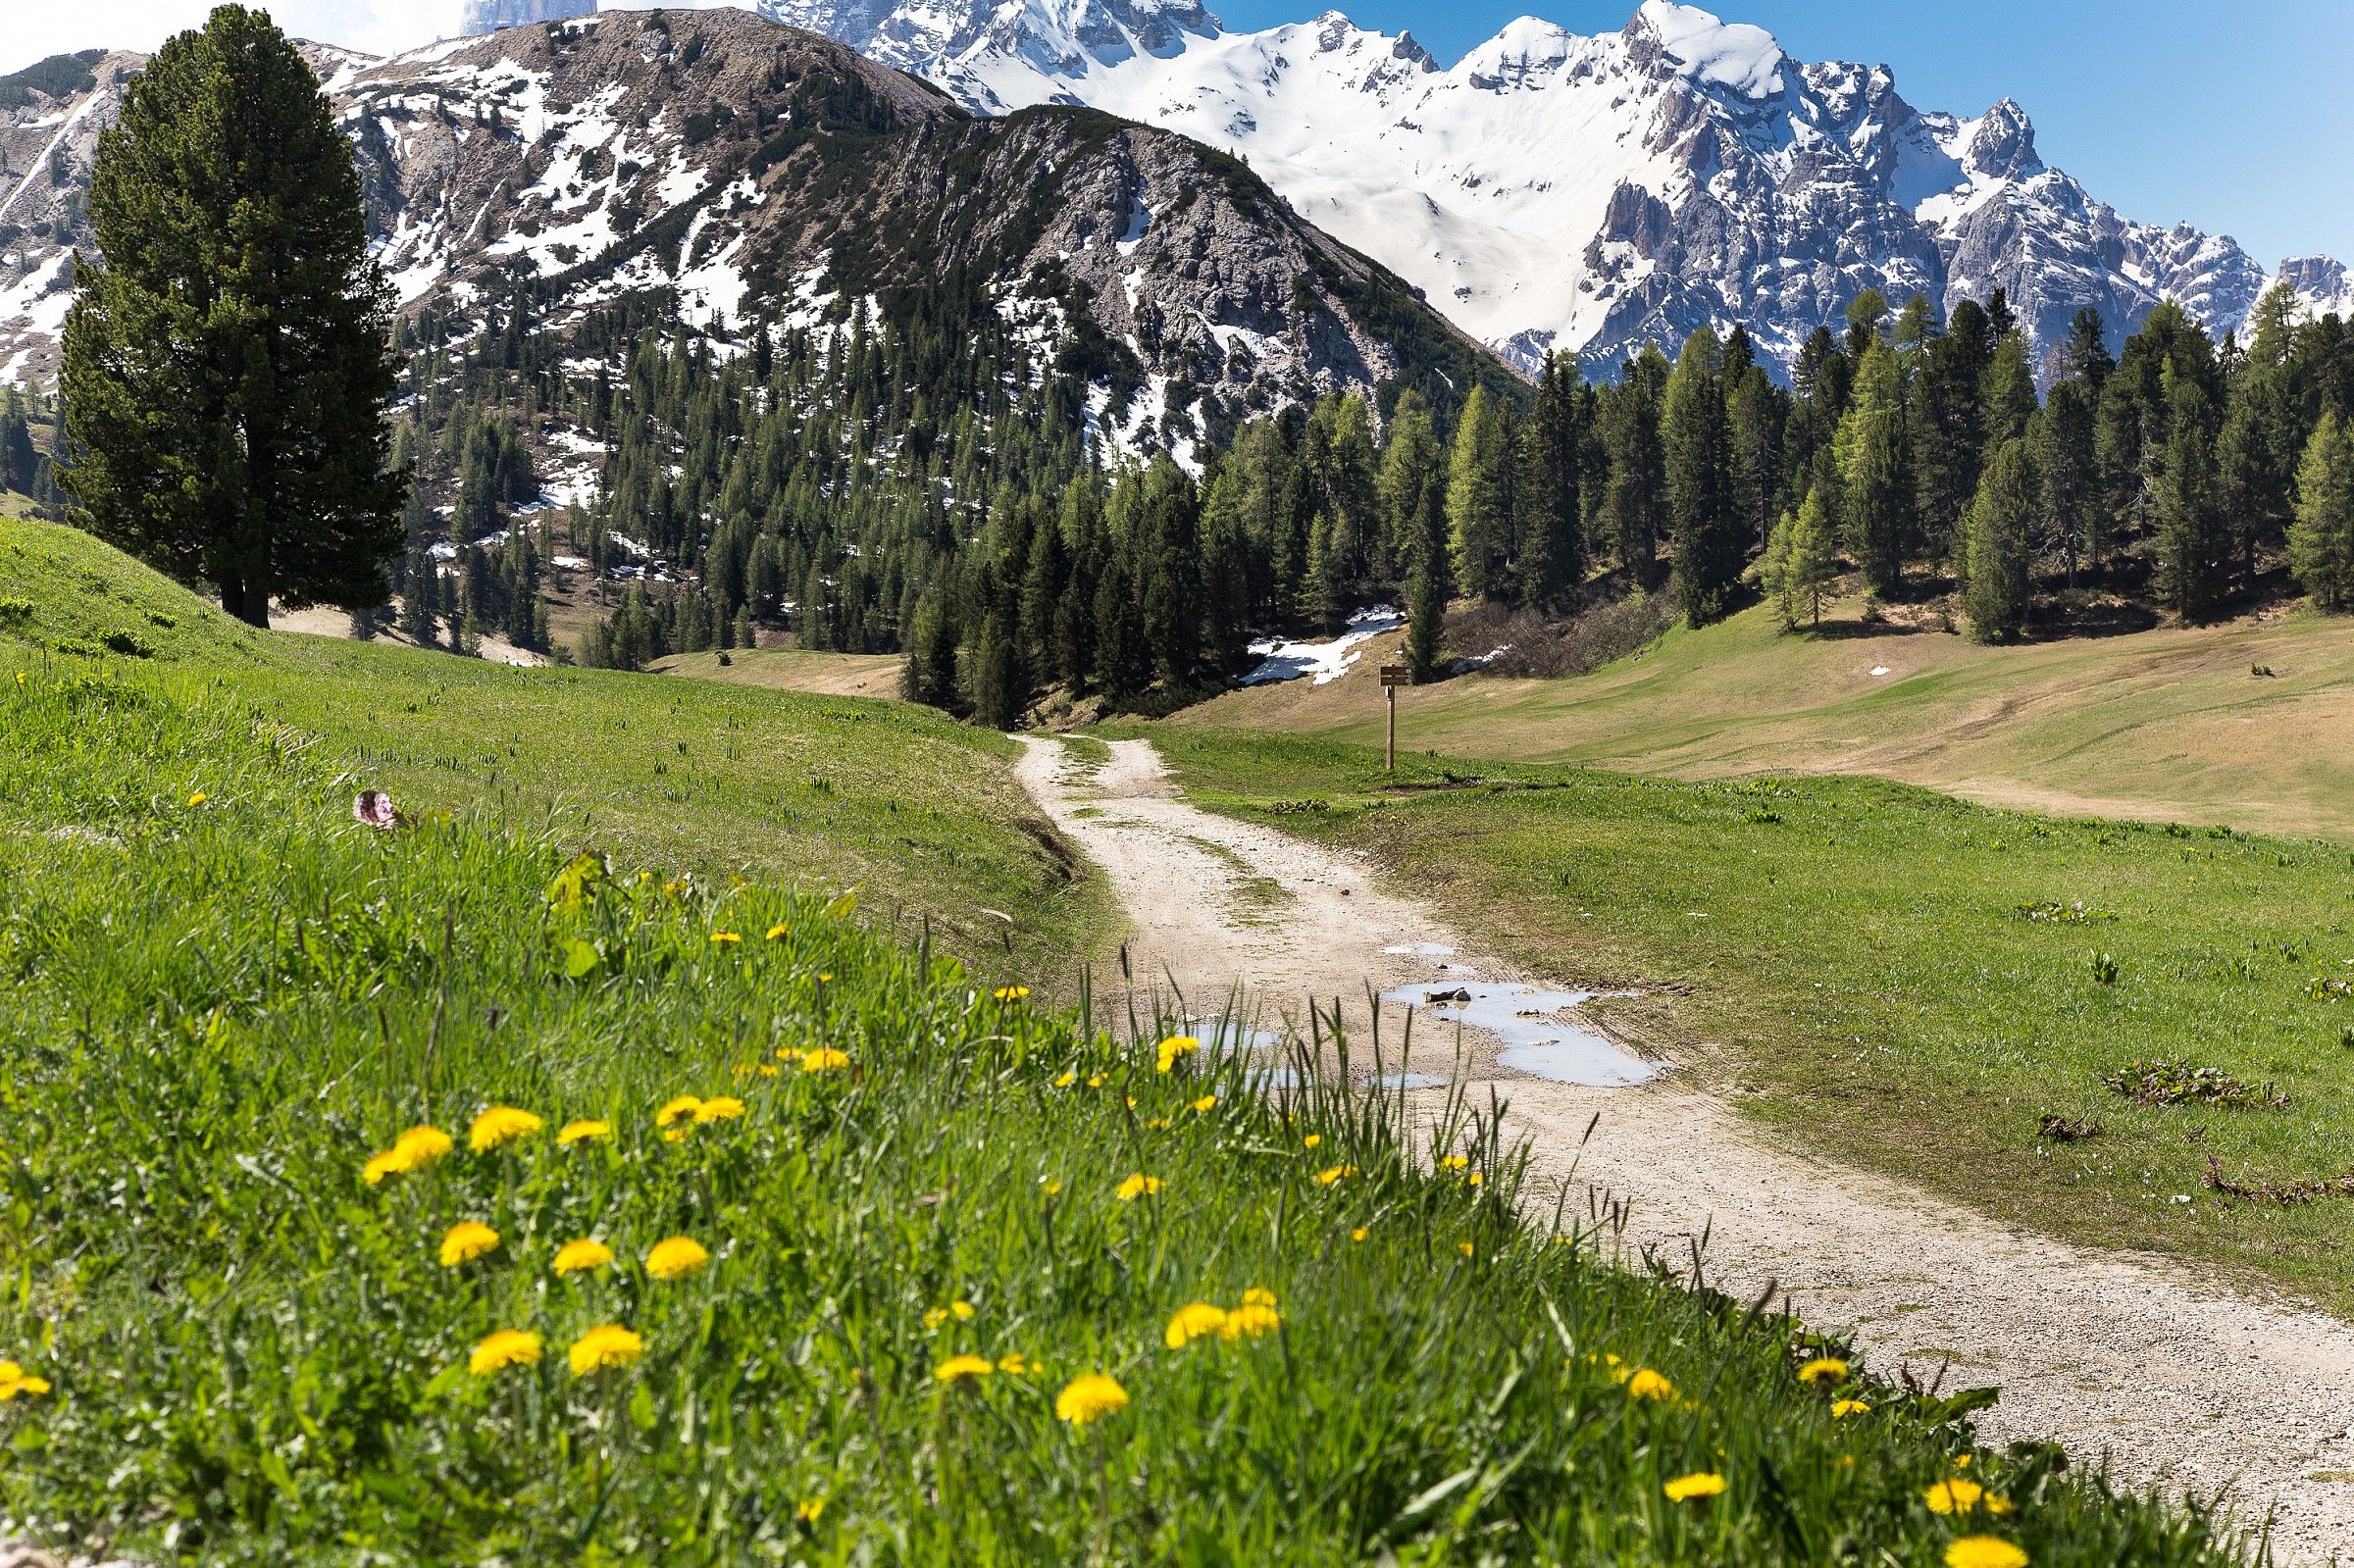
(2163, 725)
(824, 793)
(741, 1235)
(1896, 976)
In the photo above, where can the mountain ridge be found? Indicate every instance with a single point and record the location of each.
(1553, 190)
(757, 171)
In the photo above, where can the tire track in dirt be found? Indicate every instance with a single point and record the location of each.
(2180, 1385)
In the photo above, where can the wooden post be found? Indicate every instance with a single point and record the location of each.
(1394, 676)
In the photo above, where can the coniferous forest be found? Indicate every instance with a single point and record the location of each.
(914, 479)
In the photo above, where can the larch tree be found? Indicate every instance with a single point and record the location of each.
(1479, 495)
(227, 364)
(1874, 468)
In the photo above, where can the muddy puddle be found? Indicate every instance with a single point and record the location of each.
(1537, 1029)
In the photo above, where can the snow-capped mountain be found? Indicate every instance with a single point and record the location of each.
(1556, 191)
(748, 170)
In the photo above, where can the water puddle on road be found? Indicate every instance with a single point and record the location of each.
(1535, 1028)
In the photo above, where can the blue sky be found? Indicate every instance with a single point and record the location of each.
(2237, 117)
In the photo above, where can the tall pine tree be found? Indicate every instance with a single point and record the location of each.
(226, 366)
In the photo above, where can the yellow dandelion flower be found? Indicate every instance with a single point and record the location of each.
(1311, 1140)
(392, 1162)
(677, 1134)
(1984, 1551)
(1360, 1233)
(1065, 1079)
(1252, 1320)
(1090, 1398)
(778, 931)
(726, 938)
(1014, 1364)
(422, 1145)
(1192, 1321)
(933, 1317)
(1054, 1188)
(1824, 1369)
(808, 1508)
(1962, 1460)
(681, 1108)
(582, 1132)
(789, 1053)
(18, 1384)
(1094, 1081)
(1157, 1124)
(1999, 1506)
(508, 1347)
(198, 798)
(1136, 1186)
(966, 1369)
(1164, 1057)
(1466, 1248)
(579, 1257)
(500, 1124)
(719, 1108)
(1953, 1496)
(963, 1311)
(825, 1059)
(1474, 1179)
(1699, 1484)
(607, 1345)
(1649, 1385)
(1011, 994)
(1203, 1105)
(676, 1258)
(1841, 1409)
(825, 977)
(1325, 1177)
(1132, 1102)
(467, 1241)
(1454, 1162)
(1259, 1296)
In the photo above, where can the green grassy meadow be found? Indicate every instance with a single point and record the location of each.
(892, 1263)
(2171, 724)
(816, 793)
(1885, 973)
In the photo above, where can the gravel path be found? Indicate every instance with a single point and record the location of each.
(2179, 1384)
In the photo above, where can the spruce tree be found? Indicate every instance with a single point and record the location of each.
(2321, 543)
(1801, 560)
(2001, 519)
(1634, 500)
(2065, 456)
(1709, 535)
(226, 364)
(1550, 520)
(930, 675)
(2193, 544)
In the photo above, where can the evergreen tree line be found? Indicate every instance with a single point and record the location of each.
(916, 480)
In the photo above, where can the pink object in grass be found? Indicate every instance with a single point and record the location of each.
(374, 808)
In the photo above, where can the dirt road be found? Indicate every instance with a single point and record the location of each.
(2180, 1386)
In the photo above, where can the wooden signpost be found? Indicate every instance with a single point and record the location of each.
(1394, 676)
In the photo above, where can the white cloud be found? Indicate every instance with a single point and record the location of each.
(34, 30)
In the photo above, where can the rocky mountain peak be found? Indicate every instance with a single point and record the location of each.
(2003, 146)
(1703, 48)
